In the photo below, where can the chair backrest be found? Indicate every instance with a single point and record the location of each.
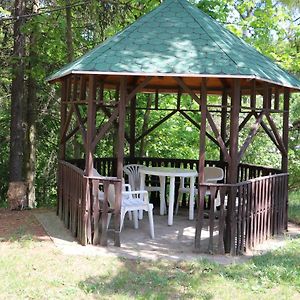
(112, 193)
(132, 171)
(213, 174)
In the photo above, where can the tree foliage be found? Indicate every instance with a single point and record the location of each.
(271, 27)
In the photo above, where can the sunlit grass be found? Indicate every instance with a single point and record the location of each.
(42, 272)
(294, 207)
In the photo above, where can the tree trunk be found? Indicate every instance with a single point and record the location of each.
(17, 97)
(145, 126)
(31, 114)
(70, 57)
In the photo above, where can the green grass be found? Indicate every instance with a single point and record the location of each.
(294, 206)
(40, 271)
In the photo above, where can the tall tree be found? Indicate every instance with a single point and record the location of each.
(31, 113)
(17, 98)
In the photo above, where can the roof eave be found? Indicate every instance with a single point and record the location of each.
(250, 77)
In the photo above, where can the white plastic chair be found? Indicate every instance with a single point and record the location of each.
(132, 201)
(134, 178)
(211, 175)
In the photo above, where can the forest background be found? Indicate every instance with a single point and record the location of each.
(38, 37)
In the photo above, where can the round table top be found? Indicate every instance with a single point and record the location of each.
(168, 171)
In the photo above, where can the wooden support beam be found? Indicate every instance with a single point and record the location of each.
(253, 94)
(82, 92)
(66, 124)
(243, 124)
(178, 99)
(251, 136)
(182, 84)
(198, 126)
(80, 123)
(138, 88)
(276, 99)
(218, 136)
(91, 118)
(201, 179)
(63, 113)
(223, 120)
(115, 123)
(155, 125)
(233, 166)
(156, 100)
(278, 138)
(132, 127)
(120, 155)
(285, 129)
(103, 130)
(75, 130)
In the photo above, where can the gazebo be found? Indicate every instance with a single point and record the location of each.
(177, 49)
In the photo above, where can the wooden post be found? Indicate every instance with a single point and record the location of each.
(284, 159)
(223, 121)
(201, 190)
(233, 166)
(91, 120)
(132, 127)
(63, 114)
(285, 131)
(62, 147)
(120, 155)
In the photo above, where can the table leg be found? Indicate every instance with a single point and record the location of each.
(171, 200)
(162, 181)
(192, 198)
(142, 187)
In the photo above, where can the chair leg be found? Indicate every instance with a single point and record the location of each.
(151, 224)
(108, 220)
(179, 199)
(135, 219)
(130, 215)
(123, 212)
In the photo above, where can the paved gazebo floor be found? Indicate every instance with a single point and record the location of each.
(171, 242)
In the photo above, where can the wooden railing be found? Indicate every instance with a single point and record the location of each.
(250, 212)
(79, 206)
(107, 166)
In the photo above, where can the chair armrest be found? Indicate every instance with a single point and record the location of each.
(143, 194)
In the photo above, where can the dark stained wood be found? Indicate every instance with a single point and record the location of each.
(80, 122)
(66, 124)
(285, 130)
(250, 137)
(223, 120)
(201, 189)
(253, 94)
(276, 99)
(278, 138)
(138, 88)
(120, 155)
(95, 211)
(233, 166)
(63, 112)
(149, 130)
(218, 136)
(91, 115)
(198, 126)
(132, 127)
(104, 215)
(187, 89)
(82, 91)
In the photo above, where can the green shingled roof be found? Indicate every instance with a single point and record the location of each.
(178, 38)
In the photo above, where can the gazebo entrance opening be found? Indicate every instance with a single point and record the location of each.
(253, 199)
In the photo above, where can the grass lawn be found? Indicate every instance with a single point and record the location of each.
(35, 269)
(294, 207)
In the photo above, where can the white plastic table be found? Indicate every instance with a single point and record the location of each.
(162, 173)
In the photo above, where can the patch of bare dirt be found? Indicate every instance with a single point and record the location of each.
(15, 224)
